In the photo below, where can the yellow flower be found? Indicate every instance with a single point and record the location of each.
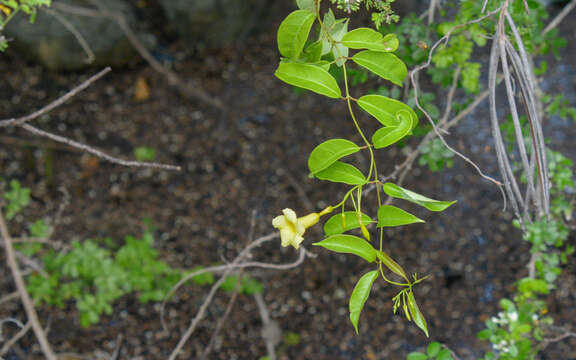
(292, 228)
(5, 9)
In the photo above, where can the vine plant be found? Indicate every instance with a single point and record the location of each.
(305, 63)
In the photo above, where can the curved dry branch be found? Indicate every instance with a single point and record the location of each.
(415, 84)
(23, 292)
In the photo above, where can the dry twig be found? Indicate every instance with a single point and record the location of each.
(237, 263)
(415, 84)
(23, 292)
(8, 344)
(23, 122)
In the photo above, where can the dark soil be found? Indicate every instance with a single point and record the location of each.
(253, 158)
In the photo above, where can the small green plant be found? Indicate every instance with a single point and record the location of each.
(517, 332)
(144, 153)
(95, 276)
(433, 352)
(95, 273)
(436, 155)
(17, 198)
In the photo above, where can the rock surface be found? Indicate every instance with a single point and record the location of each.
(212, 23)
(50, 42)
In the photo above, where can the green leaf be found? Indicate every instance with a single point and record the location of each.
(349, 244)
(305, 5)
(391, 42)
(387, 136)
(312, 53)
(444, 355)
(144, 153)
(328, 153)
(387, 66)
(389, 215)
(398, 192)
(345, 221)
(416, 314)
(337, 32)
(360, 295)
(385, 109)
(416, 356)
(293, 33)
(309, 77)
(433, 349)
(391, 264)
(366, 38)
(527, 285)
(342, 173)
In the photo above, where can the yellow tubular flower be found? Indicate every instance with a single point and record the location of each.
(5, 9)
(292, 228)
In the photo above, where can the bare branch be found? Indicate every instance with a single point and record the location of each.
(23, 292)
(61, 100)
(9, 297)
(96, 152)
(236, 264)
(271, 332)
(8, 344)
(72, 29)
(558, 19)
(415, 84)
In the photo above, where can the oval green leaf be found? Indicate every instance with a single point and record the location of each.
(416, 314)
(444, 355)
(389, 215)
(312, 53)
(434, 348)
(391, 42)
(387, 66)
(328, 153)
(345, 221)
(398, 192)
(342, 173)
(387, 136)
(417, 356)
(391, 264)
(359, 296)
(305, 5)
(364, 38)
(349, 244)
(384, 109)
(309, 77)
(293, 33)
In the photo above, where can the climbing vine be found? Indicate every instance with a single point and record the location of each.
(305, 63)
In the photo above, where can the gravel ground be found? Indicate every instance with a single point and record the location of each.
(253, 158)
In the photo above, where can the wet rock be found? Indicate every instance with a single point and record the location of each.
(50, 42)
(213, 23)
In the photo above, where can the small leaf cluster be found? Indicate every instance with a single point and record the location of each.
(17, 198)
(558, 105)
(436, 155)
(9, 8)
(95, 276)
(433, 352)
(144, 153)
(382, 9)
(512, 330)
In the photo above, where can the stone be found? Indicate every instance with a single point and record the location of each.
(49, 42)
(212, 23)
